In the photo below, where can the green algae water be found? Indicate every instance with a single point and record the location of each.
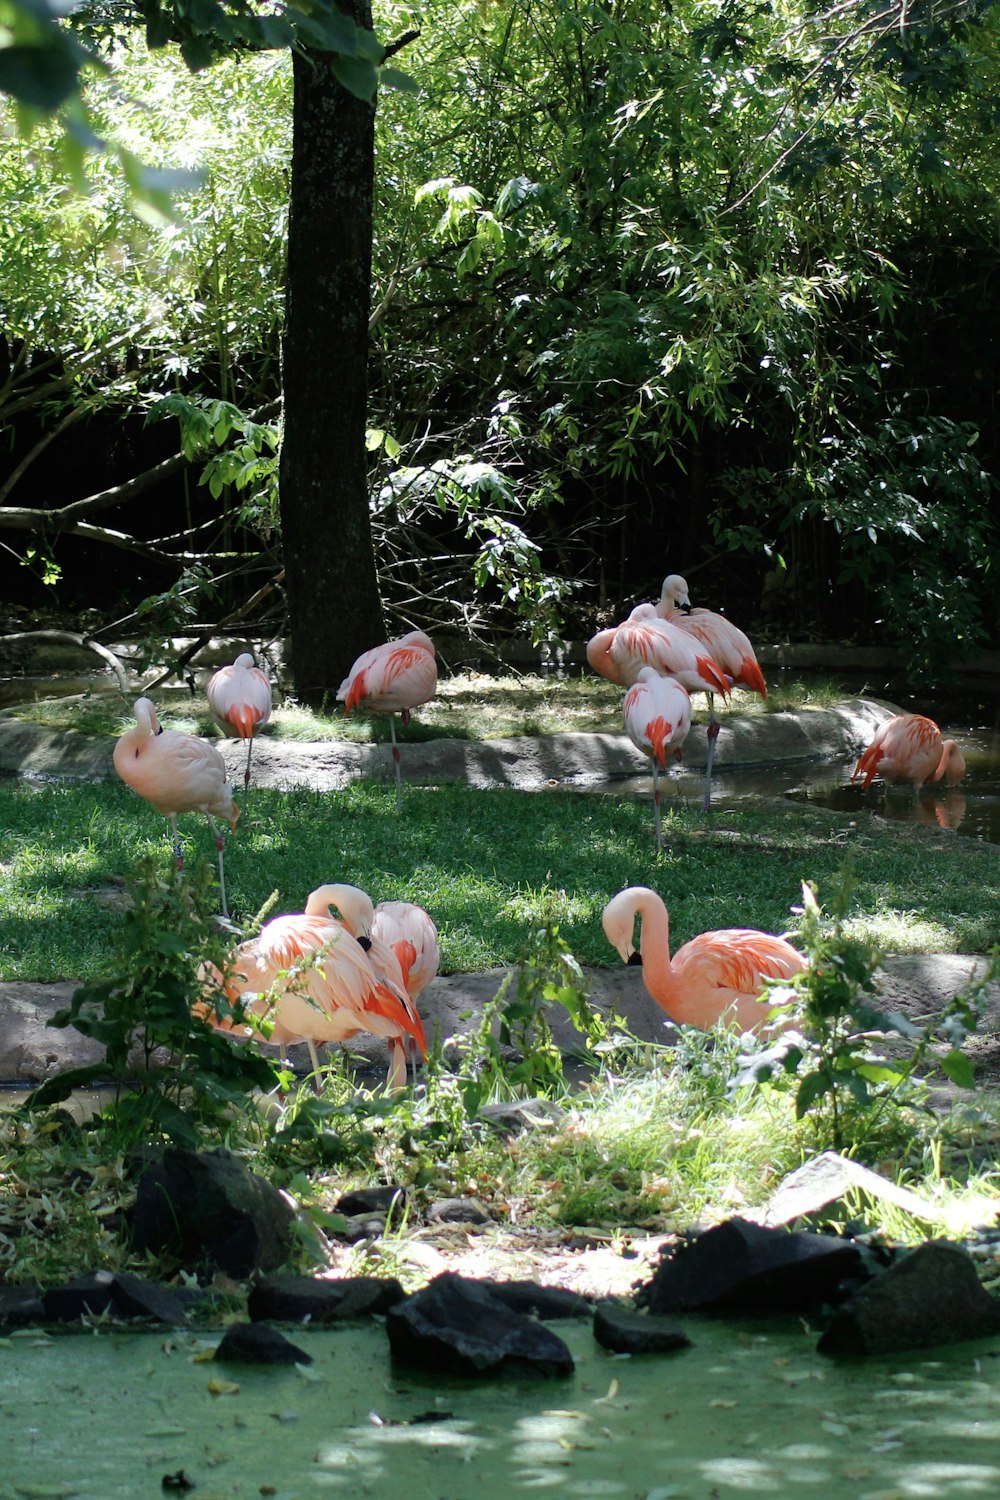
(750, 1411)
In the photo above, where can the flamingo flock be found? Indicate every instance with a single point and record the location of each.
(318, 977)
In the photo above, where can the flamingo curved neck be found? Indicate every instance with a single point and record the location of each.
(654, 943)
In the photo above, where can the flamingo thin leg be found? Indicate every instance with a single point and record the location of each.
(178, 851)
(395, 757)
(713, 734)
(657, 796)
(220, 844)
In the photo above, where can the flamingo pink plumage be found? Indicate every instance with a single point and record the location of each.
(910, 747)
(316, 983)
(657, 717)
(176, 773)
(392, 679)
(717, 976)
(239, 700)
(643, 640)
(729, 647)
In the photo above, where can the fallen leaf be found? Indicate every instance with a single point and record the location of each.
(219, 1387)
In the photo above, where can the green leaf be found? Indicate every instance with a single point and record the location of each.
(393, 78)
(356, 75)
(812, 1087)
(960, 1069)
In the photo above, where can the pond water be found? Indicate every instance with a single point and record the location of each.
(750, 1410)
(972, 808)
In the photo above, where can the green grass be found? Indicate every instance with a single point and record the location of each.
(467, 706)
(478, 861)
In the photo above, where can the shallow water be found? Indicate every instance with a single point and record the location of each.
(751, 1410)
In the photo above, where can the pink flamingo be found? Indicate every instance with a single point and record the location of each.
(392, 679)
(643, 640)
(239, 700)
(316, 983)
(910, 747)
(657, 715)
(400, 937)
(176, 773)
(729, 647)
(717, 976)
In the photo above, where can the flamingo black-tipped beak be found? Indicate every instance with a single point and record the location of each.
(635, 957)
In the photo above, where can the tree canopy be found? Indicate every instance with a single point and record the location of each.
(702, 289)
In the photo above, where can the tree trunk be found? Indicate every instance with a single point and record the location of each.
(334, 608)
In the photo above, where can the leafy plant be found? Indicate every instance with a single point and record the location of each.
(839, 1058)
(172, 1074)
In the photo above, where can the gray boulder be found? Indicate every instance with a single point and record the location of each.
(456, 1326)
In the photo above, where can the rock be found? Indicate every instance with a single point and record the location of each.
(209, 1207)
(20, 1303)
(458, 1211)
(293, 1299)
(827, 1178)
(626, 1332)
(510, 1116)
(257, 1344)
(455, 1326)
(537, 1301)
(361, 1227)
(743, 1268)
(117, 1292)
(931, 1295)
(373, 1200)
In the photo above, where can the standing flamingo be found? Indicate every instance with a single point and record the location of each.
(657, 715)
(717, 976)
(316, 982)
(910, 747)
(176, 773)
(401, 940)
(390, 679)
(729, 647)
(239, 700)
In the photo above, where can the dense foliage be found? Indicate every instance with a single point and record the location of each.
(703, 288)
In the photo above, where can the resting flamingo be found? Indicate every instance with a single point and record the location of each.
(316, 983)
(176, 773)
(657, 715)
(401, 940)
(239, 700)
(390, 679)
(727, 644)
(717, 976)
(645, 641)
(910, 747)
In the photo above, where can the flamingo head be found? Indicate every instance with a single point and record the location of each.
(674, 594)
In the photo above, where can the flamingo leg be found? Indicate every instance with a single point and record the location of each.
(713, 734)
(246, 774)
(314, 1059)
(395, 1079)
(220, 844)
(657, 797)
(178, 851)
(395, 757)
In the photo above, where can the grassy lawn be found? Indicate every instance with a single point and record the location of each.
(480, 861)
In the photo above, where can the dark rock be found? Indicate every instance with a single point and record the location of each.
(292, 1299)
(535, 1301)
(458, 1211)
(257, 1344)
(208, 1206)
(361, 1227)
(20, 1304)
(374, 1200)
(625, 1332)
(117, 1292)
(455, 1326)
(931, 1295)
(746, 1269)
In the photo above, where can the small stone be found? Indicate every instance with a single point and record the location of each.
(626, 1332)
(259, 1344)
(458, 1211)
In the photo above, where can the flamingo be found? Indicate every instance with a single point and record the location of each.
(390, 679)
(727, 644)
(643, 640)
(910, 747)
(316, 982)
(239, 700)
(657, 715)
(401, 940)
(176, 773)
(717, 976)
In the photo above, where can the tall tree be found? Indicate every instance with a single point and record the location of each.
(334, 608)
